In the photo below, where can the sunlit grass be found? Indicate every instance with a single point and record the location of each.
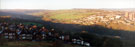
(69, 15)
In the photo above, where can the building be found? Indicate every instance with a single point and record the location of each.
(130, 15)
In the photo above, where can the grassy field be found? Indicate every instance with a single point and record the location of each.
(29, 23)
(26, 44)
(129, 43)
(36, 44)
(69, 15)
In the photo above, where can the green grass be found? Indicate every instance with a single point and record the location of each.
(69, 15)
(28, 23)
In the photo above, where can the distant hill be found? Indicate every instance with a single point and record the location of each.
(20, 11)
(81, 16)
(18, 14)
(73, 16)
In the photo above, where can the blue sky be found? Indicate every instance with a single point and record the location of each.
(65, 4)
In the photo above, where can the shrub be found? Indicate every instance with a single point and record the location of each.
(3, 41)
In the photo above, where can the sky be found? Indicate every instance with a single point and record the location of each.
(65, 4)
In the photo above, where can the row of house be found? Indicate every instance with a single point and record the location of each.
(109, 18)
(36, 33)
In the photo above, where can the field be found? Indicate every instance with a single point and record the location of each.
(64, 15)
(29, 23)
(34, 44)
(69, 15)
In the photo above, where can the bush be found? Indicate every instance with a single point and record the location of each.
(58, 43)
(112, 42)
(3, 41)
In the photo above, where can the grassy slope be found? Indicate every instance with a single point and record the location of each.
(65, 16)
(69, 15)
(33, 44)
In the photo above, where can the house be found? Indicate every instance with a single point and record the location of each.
(24, 35)
(8, 34)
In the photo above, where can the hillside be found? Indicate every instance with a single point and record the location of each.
(94, 21)
(107, 18)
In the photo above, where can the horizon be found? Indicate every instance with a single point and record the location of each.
(66, 4)
(77, 8)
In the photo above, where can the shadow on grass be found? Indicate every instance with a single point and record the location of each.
(127, 37)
